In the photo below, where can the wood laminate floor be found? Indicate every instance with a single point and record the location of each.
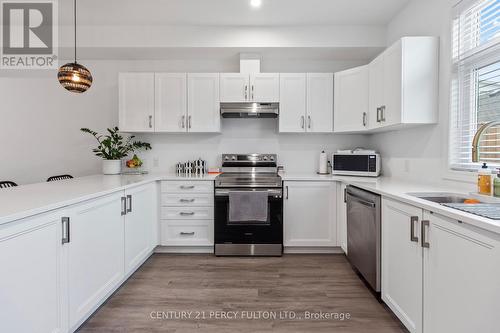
(203, 289)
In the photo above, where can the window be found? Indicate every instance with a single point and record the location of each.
(475, 91)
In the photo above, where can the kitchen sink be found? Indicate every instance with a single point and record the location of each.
(441, 197)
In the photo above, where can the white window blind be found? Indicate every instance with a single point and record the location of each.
(475, 91)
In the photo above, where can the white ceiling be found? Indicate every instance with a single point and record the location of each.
(231, 12)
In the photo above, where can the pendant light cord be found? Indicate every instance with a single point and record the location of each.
(74, 12)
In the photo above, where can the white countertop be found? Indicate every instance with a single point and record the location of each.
(27, 200)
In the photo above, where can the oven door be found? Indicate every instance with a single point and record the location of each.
(248, 232)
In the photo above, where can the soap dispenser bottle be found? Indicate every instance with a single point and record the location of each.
(484, 180)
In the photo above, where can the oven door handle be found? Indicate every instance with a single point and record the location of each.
(270, 192)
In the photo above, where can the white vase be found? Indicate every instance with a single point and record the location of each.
(111, 167)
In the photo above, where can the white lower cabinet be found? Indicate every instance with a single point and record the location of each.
(402, 262)
(442, 276)
(309, 214)
(461, 278)
(32, 292)
(187, 213)
(342, 217)
(140, 225)
(95, 255)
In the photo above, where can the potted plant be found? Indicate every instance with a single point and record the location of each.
(113, 147)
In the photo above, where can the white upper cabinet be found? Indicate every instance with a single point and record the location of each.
(136, 102)
(170, 102)
(234, 87)
(351, 100)
(404, 84)
(314, 226)
(203, 103)
(319, 103)
(265, 87)
(292, 102)
(260, 87)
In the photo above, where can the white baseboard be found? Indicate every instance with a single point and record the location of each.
(184, 249)
(312, 250)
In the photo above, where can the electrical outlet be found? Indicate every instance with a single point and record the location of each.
(156, 162)
(407, 166)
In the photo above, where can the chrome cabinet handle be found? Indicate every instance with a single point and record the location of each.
(150, 121)
(364, 119)
(65, 230)
(187, 233)
(184, 187)
(425, 243)
(189, 121)
(413, 220)
(124, 206)
(378, 115)
(129, 204)
(382, 113)
(309, 121)
(186, 200)
(302, 121)
(186, 213)
(246, 92)
(286, 192)
(252, 91)
(183, 121)
(345, 194)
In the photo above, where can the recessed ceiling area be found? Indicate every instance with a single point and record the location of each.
(231, 12)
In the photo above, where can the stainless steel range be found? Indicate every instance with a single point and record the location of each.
(249, 206)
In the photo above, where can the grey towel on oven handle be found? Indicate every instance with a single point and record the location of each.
(247, 206)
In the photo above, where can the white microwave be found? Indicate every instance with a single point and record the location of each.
(356, 164)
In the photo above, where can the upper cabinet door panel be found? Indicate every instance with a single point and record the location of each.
(234, 87)
(203, 103)
(351, 100)
(265, 87)
(292, 102)
(376, 92)
(170, 102)
(136, 102)
(392, 82)
(319, 103)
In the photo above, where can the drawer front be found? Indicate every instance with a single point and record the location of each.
(187, 200)
(176, 186)
(187, 213)
(187, 233)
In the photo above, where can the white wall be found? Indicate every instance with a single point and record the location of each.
(420, 153)
(40, 122)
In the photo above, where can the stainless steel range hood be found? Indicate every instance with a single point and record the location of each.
(249, 110)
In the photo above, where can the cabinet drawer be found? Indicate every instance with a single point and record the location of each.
(187, 213)
(187, 233)
(187, 200)
(176, 186)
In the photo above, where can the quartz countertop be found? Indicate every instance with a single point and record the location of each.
(28, 200)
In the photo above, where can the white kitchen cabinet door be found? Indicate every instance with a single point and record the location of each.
(265, 87)
(376, 92)
(32, 291)
(309, 214)
(136, 102)
(319, 117)
(203, 103)
(170, 102)
(342, 217)
(234, 87)
(351, 100)
(95, 255)
(292, 103)
(402, 262)
(461, 278)
(140, 223)
(392, 85)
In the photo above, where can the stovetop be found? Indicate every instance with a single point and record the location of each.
(249, 170)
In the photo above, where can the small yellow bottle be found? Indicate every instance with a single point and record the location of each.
(484, 180)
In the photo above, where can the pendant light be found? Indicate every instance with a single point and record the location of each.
(73, 76)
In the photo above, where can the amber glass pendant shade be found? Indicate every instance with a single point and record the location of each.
(74, 77)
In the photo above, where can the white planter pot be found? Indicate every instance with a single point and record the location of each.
(111, 167)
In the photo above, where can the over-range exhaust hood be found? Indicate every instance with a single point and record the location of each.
(249, 110)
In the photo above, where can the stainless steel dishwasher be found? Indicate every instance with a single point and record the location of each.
(364, 234)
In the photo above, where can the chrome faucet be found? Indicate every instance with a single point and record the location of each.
(477, 137)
